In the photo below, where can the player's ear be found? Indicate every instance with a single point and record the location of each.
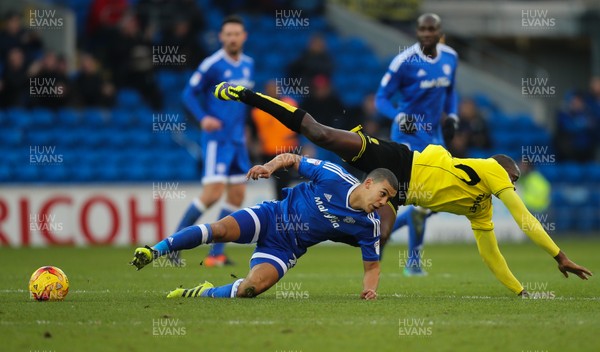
(368, 182)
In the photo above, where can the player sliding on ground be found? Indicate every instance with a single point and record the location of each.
(432, 179)
(333, 206)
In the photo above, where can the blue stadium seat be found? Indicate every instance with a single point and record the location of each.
(122, 118)
(19, 117)
(68, 117)
(128, 99)
(11, 137)
(42, 117)
(95, 117)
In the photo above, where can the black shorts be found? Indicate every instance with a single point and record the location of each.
(396, 157)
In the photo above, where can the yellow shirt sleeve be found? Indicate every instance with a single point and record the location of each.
(527, 222)
(490, 253)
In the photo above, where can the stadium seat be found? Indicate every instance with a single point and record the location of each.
(128, 99)
(95, 117)
(68, 117)
(42, 117)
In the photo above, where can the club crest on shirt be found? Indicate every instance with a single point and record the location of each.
(447, 69)
(349, 220)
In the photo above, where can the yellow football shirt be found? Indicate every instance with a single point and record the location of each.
(460, 186)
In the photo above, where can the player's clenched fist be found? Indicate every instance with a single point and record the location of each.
(259, 171)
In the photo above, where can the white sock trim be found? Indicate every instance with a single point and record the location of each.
(199, 205)
(204, 230)
(234, 288)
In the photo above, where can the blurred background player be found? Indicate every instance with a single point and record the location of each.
(275, 138)
(424, 75)
(226, 158)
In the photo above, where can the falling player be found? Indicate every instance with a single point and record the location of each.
(333, 206)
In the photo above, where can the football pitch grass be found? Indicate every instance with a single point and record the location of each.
(459, 307)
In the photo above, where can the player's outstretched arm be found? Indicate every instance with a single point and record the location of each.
(370, 280)
(281, 161)
(490, 253)
(534, 230)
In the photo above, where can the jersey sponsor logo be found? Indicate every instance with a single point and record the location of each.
(332, 218)
(477, 203)
(435, 83)
(421, 73)
(327, 196)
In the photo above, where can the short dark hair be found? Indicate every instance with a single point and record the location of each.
(232, 19)
(381, 174)
(507, 163)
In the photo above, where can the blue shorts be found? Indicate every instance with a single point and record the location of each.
(225, 162)
(258, 225)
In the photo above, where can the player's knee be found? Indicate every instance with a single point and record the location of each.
(320, 135)
(219, 230)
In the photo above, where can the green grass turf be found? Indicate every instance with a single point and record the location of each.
(458, 307)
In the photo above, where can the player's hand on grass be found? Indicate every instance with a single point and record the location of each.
(368, 294)
(209, 123)
(565, 265)
(259, 171)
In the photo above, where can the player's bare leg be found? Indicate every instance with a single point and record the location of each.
(260, 278)
(346, 144)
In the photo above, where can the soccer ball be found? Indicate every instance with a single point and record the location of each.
(48, 283)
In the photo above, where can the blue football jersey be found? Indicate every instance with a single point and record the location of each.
(422, 88)
(317, 211)
(199, 99)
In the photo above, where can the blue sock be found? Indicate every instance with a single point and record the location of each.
(188, 238)
(219, 248)
(223, 291)
(193, 212)
(401, 220)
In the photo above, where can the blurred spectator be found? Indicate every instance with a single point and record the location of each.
(575, 133)
(275, 138)
(131, 61)
(325, 105)
(49, 85)
(534, 189)
(105, 14)
(181, 36)
(327, 108)
(91, 89)
(593, 99)
(314, 61)
(472, 130)
(13, 86)
(373, 123)
(14, 35)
